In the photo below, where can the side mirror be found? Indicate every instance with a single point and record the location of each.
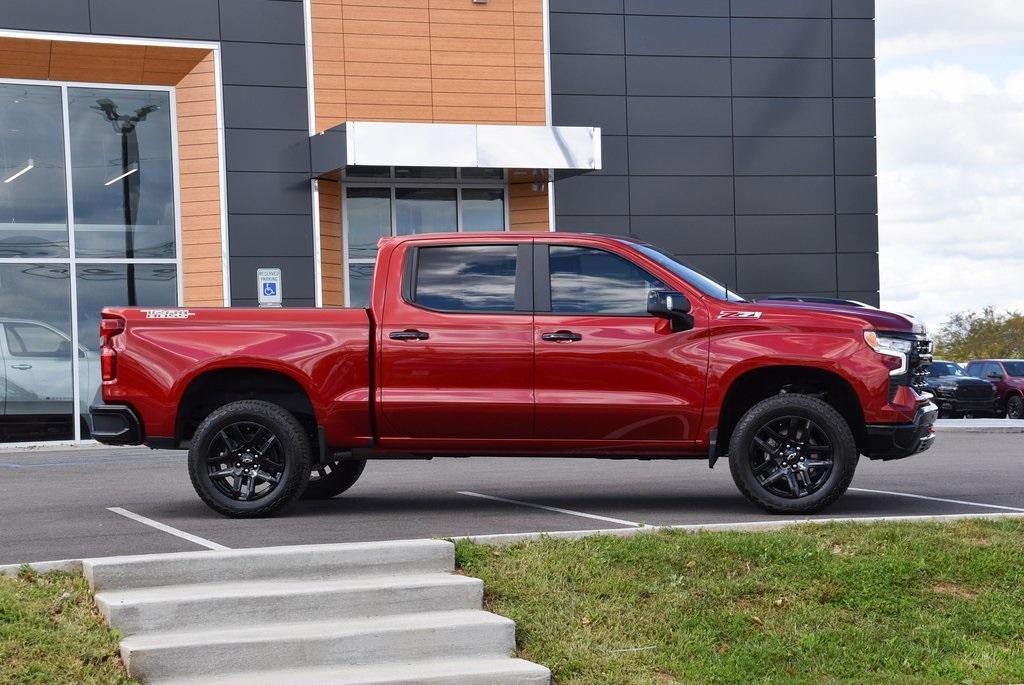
(666, 304)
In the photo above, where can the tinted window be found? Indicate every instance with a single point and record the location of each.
(1015, 369)
(945, 369)
(589, 281)
(467, 278)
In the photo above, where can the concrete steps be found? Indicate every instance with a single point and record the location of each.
(355, 614)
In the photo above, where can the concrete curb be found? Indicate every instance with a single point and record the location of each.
(66, 565)
(979, 426)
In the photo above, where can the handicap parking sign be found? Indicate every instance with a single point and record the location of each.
(268, 282)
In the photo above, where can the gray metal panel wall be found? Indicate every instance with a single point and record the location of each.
(738, 134)
(263, 66)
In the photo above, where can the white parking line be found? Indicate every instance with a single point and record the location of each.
(554, 509)
(938, 499)
(209, 544)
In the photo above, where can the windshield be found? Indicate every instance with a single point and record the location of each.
(692, 276)
(945, 369)
(1015, 369)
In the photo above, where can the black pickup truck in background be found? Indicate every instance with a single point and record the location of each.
(957, 394)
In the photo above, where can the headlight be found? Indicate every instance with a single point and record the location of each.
(894, 350)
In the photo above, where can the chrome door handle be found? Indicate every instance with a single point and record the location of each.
(409, 334)
(21, 367)
(561, 336)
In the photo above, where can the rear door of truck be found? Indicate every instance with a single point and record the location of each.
(456, 343)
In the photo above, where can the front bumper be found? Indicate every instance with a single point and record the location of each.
(966, 406)
(896, 441)
(115, 424)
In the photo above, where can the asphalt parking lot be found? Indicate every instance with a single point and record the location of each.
(56, 503)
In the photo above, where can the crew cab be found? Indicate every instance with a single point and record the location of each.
(517, 345)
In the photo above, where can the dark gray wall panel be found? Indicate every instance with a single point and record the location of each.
(683, 8)
(781, 38)
(695, 195)
(781, 156)
(263, 64)
(784, 195)
(614, 157)
(268, 193)
(687, 234)
(612, 225)
(193, 19)
(855, 116)
(259, 150)
(857, 232)
(593, 195)
(605, 111)
(682, 36)
(296, 279)
(687, 76)
(254, 107)
(722, 268)
(782, 78)
(783, 116)
(70, 16)
(588, 75)
(258, 235)
(854, 78)
(787, 273)
(858, 271)
(865, 296)
(780, 8)
(683, 116)
(856, 156)
(598, 6)
(856, 195)
(592, 34)
(854, 37)
(785, 234)
(856, 9)
(265, 21)
(675, 156)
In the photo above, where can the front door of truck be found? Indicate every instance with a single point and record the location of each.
(457, 345)
(609, 375)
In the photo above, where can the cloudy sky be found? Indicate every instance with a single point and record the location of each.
(951, 155)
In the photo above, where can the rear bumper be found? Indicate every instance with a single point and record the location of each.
(896, 441)
(115, 424)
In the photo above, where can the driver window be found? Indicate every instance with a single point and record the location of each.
(589, 281)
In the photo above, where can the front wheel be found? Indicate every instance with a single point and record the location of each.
(249, 459)
(792, 454)
(1015, 407)
(328, 480)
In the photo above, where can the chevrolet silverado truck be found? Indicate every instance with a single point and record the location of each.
(517, 345)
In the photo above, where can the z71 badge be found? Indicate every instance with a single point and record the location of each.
(739, 315)
(168, 313)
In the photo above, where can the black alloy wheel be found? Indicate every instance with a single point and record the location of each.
(791, 456)
(245, 461)
(328, 480)
(1015, 407)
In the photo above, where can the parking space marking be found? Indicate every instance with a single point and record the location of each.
(570, 512)
(938, 499)
(209, 544)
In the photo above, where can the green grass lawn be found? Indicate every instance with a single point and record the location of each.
(51, 633)
(847, 603)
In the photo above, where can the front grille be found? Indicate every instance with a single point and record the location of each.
(975, 392)
(917, 367)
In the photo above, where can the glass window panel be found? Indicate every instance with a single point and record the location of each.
(588, 281)
(360, 280)
(425, 172)
(36, 392)
(483, 209)
(368, 172)
(489, 174)
(122, 173)
(469, 278)
(425, 210)
(108, 285)
(369, 220)
(33, 197)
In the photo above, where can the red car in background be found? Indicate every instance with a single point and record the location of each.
(1008, 377)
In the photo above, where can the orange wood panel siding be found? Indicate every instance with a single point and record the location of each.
(191, 72)
(331, 264)
(527, 208)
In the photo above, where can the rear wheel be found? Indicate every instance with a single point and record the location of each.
(792, 454)
(249, 459)
(328, 480)
(1015, 407)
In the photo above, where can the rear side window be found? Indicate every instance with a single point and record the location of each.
(466, 278)
(589, 281)
(30, 340)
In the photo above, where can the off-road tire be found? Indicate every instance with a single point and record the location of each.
(1015, 407)
(329, 480)
(844, 453)
(293, 446)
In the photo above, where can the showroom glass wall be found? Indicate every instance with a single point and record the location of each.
(88, 218)
(387, 201)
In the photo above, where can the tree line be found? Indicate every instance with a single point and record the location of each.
(981, 335)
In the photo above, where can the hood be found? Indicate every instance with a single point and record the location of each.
(875, 319)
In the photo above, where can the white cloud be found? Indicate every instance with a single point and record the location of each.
(951, 157)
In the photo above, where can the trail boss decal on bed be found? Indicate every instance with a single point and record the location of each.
(168, 313)
(739, 315)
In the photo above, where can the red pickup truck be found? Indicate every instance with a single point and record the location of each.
(527, 345)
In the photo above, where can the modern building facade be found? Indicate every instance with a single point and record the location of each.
(158, 153)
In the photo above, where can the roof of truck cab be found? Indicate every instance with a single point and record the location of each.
(503, 236)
